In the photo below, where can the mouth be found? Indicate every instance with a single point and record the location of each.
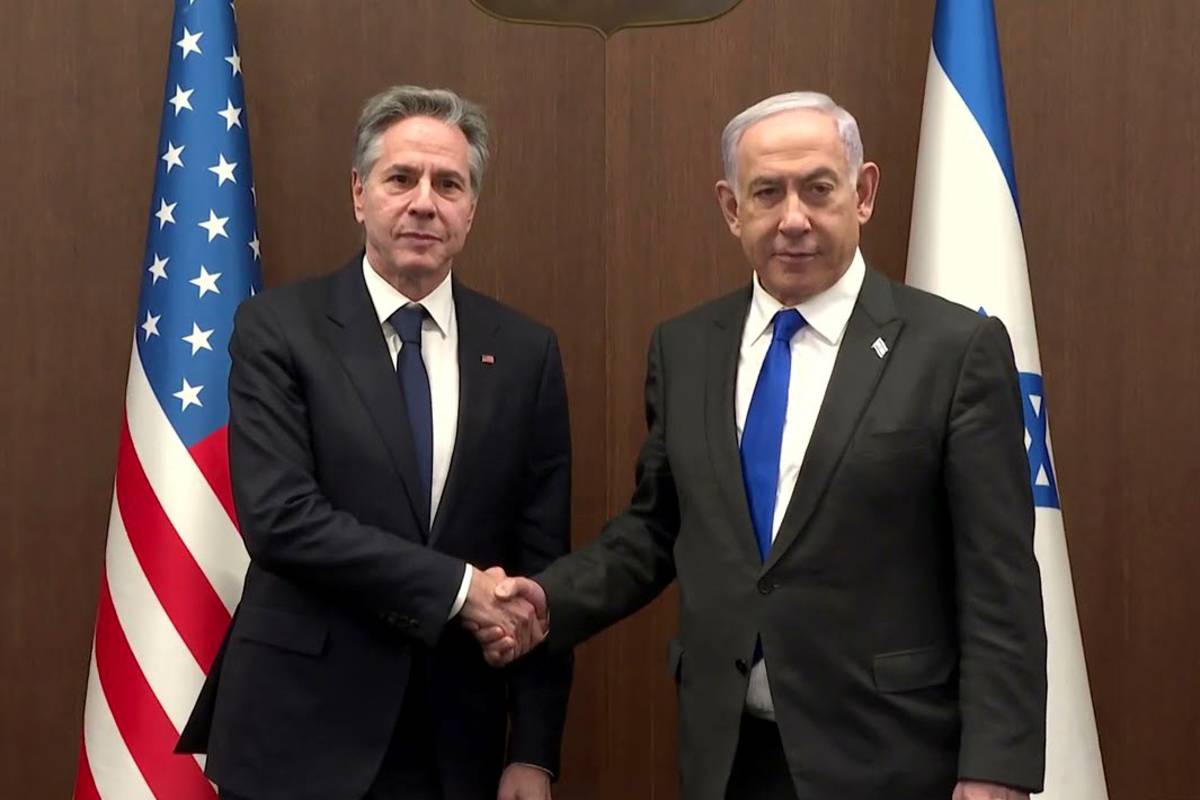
(797, 256)
(420, 236)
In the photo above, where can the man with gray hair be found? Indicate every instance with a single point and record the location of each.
(347, 672)
(835, 471)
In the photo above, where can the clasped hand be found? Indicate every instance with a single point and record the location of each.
(507, 615)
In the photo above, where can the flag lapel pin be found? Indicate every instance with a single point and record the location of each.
(879, 347)
(487, 358)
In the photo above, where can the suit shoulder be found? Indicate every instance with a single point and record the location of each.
(288, 299)
(933, 312)
(726, 308)
(513, 321)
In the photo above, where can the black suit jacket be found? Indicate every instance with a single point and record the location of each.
(343, 592)
(900, 606)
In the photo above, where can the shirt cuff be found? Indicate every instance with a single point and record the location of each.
(531, 766)
(461, 599)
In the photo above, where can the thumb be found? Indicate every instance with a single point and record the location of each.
(507, 588)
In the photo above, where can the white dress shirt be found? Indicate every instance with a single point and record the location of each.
(439, 351)
(814, 350)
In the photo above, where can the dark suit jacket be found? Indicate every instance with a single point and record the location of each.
(343, 593)
(900, 606)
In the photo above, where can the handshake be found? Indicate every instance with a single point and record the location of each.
(507, 615)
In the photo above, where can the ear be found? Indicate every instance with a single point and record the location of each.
(727, 199)
(356, 194)
(868, 185)
(471, 214)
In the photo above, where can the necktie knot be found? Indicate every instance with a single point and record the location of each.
(787, 322)
(407, 323)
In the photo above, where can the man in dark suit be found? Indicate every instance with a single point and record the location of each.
(389, 429)
(834, 470)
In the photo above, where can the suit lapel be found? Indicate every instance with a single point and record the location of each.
(359, 343)
(855, 375)
(724, 342)
(476, 396)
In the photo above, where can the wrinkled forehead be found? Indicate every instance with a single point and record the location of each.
(424, 140)
(803, 139)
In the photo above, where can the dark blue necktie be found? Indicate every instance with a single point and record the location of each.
(762, 434)
(414, 384)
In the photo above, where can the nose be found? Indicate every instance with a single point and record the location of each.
(422, 200)
(795, 221)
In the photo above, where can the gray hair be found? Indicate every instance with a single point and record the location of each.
(401, 102)
(792, 101)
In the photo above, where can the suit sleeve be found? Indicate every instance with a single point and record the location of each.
(631, 561)
(290, 528)
(540, 683)
(1002, 636)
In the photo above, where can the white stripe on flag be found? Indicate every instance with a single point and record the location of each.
(171, 670)
(113, 769)
(966, 245)
(182, 490)
(970, 261)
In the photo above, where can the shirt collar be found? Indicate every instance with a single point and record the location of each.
(439, 303)
(826, 313)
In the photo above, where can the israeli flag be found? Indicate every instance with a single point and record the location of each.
(966, 245)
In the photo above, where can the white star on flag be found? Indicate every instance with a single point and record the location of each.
(235, 61)
(199, 339)
(165, 213)
(254, 245)
(159, 268)
(150, 326)
(224, 172)
(189, 43)
(182, 99)
(189, 395)
(232, 115)
(215, 225)
(172, 156)
(207, 281)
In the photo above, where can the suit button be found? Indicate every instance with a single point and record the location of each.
(765, 586)
(741, 666)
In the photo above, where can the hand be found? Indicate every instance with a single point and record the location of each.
(511, 627)
(978, 790)
(523, 782)
(499, 648)
(525, 591)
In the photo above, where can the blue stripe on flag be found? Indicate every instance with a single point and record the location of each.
(965, 43)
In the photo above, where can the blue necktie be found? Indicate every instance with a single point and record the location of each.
(414, 384)
(762, 434)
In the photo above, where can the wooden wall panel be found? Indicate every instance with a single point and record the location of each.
(1106, 136)
(81, 93)
(670, 93)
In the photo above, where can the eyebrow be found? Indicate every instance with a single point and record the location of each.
(816, 174)
(401, 166)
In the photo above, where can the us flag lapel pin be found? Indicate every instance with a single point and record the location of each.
(487, 358)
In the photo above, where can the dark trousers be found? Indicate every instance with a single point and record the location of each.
(760, 770)
(409, 770)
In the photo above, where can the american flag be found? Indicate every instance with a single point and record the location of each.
(175, 561)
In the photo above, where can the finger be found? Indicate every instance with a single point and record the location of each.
(509, 587)
(501, 648)
(489, 636)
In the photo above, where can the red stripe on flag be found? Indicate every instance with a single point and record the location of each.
(85, 785)
(211, 455)
(180, 584)
(144, 726)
